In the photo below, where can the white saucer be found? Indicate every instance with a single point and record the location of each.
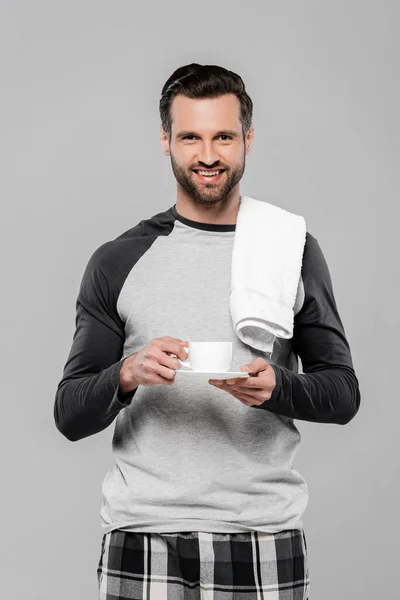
(213, 374)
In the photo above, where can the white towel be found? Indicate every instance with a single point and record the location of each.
(267, 256)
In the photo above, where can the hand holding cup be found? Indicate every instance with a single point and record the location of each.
(153, 365)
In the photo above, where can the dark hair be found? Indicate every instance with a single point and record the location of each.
(204, 81)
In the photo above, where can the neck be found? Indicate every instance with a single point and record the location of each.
(223, 212)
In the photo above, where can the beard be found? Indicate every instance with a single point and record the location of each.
(208, 194)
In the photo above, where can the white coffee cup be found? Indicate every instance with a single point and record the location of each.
(208, 356)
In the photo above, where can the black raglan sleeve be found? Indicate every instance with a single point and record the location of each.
(88, 397)
(328, 390)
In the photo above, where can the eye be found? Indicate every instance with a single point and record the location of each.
(222, 135)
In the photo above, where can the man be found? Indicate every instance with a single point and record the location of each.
(202, 495)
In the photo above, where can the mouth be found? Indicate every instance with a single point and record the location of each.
(213, 176)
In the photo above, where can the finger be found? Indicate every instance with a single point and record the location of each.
(166, 374)
(259, 364)
(256, 393)
(246, 399)
(175, 348)
(168, 360)
(260, 361)
(238, 382)
(250, 381)
(235, 380)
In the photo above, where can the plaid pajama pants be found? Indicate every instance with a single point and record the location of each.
(203, 566)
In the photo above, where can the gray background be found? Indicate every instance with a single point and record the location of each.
(81, 163)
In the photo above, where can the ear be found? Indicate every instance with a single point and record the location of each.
(249, 139)
(164, 140)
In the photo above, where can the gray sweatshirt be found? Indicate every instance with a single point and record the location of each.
(189, 456)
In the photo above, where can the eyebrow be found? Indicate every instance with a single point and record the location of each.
(234, 134)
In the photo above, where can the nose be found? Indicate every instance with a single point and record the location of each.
(207, 155)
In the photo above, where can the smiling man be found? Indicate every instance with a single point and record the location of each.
(208, 161)
(202, 498)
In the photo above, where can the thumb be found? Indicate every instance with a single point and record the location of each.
(258, 364)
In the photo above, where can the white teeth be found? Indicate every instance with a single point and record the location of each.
(208, 173)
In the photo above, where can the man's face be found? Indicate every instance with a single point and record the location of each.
(207, 136)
